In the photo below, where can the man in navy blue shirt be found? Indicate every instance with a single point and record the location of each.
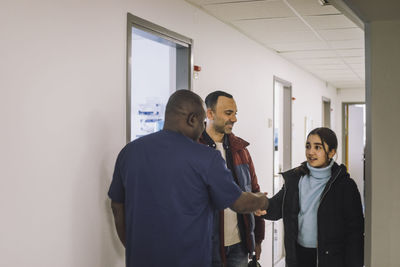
(165, 187)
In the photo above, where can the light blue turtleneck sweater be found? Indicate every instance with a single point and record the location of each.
(310, 190)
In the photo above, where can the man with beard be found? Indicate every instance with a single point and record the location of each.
(236, 236)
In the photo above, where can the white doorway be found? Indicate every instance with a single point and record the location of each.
(354, 140)
(326, 112)
(282, 156)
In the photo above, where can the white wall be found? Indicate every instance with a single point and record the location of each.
(62, 112)
(62, 103)
(383, 146)
(351, 95)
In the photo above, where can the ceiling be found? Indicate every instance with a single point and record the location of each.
(319, 39)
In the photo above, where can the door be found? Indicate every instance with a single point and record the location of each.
(354, 142)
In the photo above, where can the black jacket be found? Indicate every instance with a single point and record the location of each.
(340, 218)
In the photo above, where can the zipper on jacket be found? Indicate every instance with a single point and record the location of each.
(322, 197)
(283, 201)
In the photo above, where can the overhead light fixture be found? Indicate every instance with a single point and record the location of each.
(324, 2)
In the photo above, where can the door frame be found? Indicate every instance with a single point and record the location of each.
(154, 29)
(326, 100)
(345, 127)
(285, 84)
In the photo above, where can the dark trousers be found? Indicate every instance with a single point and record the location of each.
(306, 257)
(236, 256)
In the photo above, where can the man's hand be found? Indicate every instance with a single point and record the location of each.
(118, 210)
(260, 212)
(257, 251)
(249, 202)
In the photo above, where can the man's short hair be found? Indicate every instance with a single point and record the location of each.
(212, 98)
(183, 101)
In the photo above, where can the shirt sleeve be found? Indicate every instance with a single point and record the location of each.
(222, 188)
(117, 190)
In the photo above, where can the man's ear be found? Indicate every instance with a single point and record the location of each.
(191, 119)
(210, 114)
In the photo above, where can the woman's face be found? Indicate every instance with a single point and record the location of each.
(315, 153)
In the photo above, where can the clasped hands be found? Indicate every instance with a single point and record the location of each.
(260, 212)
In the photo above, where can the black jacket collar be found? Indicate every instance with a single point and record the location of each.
(208, 140)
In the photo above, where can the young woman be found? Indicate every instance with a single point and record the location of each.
(321, 209)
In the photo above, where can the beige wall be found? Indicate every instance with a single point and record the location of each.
(383, 128)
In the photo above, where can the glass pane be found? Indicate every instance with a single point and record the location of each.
(153, 79)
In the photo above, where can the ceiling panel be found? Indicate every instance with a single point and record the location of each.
(289, 37)
(342, 72)
(349, 84)
(356, 52)
(261, 26)
(357, 66)
(344, 76)
(342, 79)
(250, 10)
(308, 54)
(298, 46)
(342, 34)
(329, 22)
(319, 61)
(326, 67)
(347, 44)
(361, 75)
(354, 60)
(207, 2)
(349, 80)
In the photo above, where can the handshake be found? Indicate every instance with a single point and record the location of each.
(256, 203)
(262, 211)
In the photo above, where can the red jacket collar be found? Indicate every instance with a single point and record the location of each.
(236, 142)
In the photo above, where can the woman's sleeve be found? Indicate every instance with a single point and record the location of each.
(354, 226)
(274, 211)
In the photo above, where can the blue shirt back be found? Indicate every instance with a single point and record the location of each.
(170, 186)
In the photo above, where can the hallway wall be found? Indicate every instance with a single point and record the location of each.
(383, 146)
(62, 108)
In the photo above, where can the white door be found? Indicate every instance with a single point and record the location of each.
(356, 146)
